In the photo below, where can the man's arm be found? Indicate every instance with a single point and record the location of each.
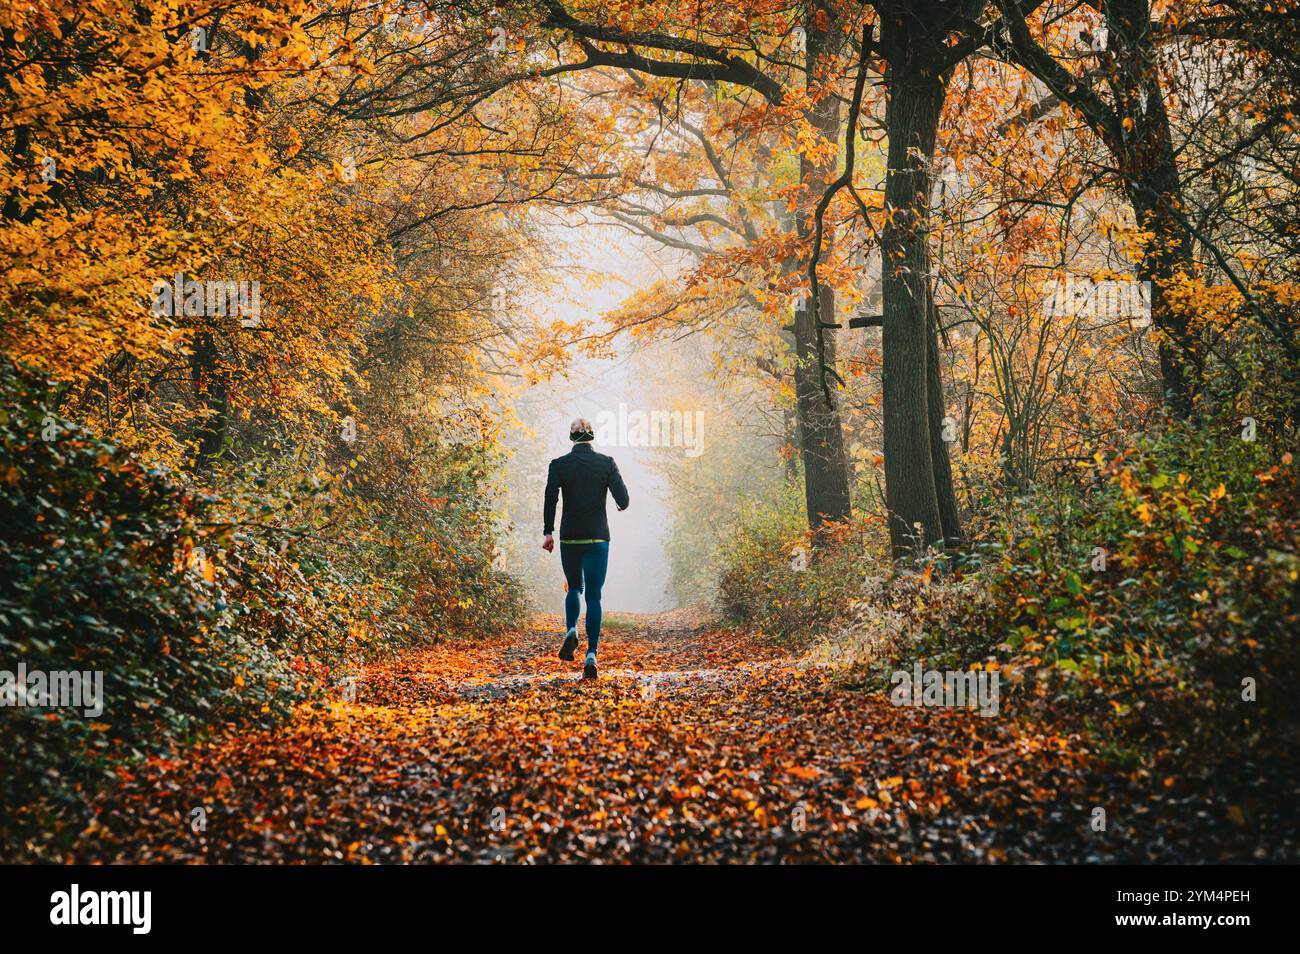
(616, 486)
(552, 497)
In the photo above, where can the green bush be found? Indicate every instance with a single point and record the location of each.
(96, 574)
(1144, 592)
(1168, 574)
(205, 609)
(1149, 589)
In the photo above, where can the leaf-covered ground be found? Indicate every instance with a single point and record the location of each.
(693, 745)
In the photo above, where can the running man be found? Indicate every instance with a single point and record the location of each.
(584, 476)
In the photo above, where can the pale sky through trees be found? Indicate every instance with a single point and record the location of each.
(638, 572)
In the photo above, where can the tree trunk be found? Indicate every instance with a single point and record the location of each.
(912, 389)
(1152, 196)
(212, 395)
(826, 474)
(825, 465)
(1149, 167)
(949, 512)
(1136, 132)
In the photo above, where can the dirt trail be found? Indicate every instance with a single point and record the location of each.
(692, 745)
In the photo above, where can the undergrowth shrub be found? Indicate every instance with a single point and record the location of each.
(97, 573)
(1164, 580)
(1152, 590)
(785, 585)
(422, 517)
(211, 608)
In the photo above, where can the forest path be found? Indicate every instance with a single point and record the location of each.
(692, 745)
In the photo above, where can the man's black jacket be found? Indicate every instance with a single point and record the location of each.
(584, 476)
